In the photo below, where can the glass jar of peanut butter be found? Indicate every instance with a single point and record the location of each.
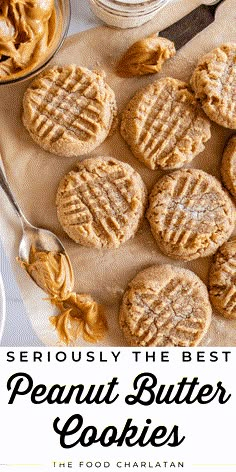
(31, 32)
(126, 14)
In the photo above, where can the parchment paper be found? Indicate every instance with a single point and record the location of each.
(34, 175)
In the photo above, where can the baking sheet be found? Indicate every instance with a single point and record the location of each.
(34, 175)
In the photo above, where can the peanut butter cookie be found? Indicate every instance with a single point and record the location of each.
(165, 306)
(164, 125)
(228, 166)
(222, 280)
(69, 110)
(190, 214)
(214, 82)
(101, 203)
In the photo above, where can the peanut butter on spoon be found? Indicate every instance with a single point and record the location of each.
(145, 56)
(52, 271)
(27, 28)
(79, 314)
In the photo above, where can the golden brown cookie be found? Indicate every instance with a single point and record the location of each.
(190, 214)
(228, 166)
(222, 280)
(101, 203)
(69, 110)
(164, 125)
(214, 82)
(165, 305)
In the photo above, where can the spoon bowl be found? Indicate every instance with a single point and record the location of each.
(39, 238)
(33, 237)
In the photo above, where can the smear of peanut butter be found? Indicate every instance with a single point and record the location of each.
(27, 28)
(145, 56)
(79, 314)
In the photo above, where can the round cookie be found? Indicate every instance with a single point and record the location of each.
(214, 82)
(69, 110)
(164, 125)
(190, 214)
(165, 306)
(101, 203)
(228, 166)
(222, 280)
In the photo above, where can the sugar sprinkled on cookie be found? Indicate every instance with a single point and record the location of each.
(214, 83)
(164, 125)
(190, 214)
(165, 305)
(101, 203)
(228, 166)
(69, 110)
(222, 280)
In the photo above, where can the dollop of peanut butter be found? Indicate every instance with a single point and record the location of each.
(27, 29)
(145, 56)
(79, 314)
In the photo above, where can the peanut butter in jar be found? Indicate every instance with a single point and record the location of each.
(27, 31)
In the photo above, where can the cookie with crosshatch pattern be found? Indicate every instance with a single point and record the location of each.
(222, 280)
(164, 125)
(101, 203)
(69, 110)
(214, 83)
(165, 305)
(228, 165)
(190, 214)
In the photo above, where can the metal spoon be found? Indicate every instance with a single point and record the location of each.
(41, 239)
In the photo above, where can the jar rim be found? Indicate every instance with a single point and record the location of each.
(113, 8)
(64, 11)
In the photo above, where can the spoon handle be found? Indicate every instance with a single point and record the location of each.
(6, 188)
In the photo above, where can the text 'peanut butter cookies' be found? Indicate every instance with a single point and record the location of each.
(190, 214)
(214, 82)
(228, 166)
(222, 280)
(101, 203)
(69, 110)
(164, 125)
(165, 306)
